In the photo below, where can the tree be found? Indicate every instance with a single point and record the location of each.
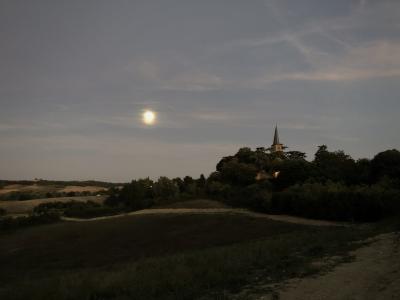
(295, 155)
(201, 182)
(335, 166)
(187, 180)
(386, 163)
(179, 183)
(245, 155)
(136, 195)
(165, 190)
(237, 173)
(223, 161)
(262, 159)
(363, 167)
(292, 172)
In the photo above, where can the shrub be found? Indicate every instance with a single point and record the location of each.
(336, 202)
(10, 223)
(135, 195)
(88, 209)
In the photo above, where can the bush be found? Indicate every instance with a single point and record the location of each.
(386, 163)
(336, 202)
(137, 194)
(165, 190)
(10, 223)
(253, 196)
(2, 212)
(77, 209)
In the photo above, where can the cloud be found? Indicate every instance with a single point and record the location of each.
(179, 76)
(380, 59)
(298, 126)
(328, 50)
(193, 81)
(5, 127)
(212, 116)
(349, 59)
(223, 116)
(29, 126)
(346, 139)
(376, 60)
(148, 70)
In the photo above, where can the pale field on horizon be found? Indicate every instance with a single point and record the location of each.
(49, 188)
(26, 206)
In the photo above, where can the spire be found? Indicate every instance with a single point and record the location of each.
(276, 146)
(276, 136)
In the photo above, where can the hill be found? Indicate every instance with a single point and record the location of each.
(161, 256)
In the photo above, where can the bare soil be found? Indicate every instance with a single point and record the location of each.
(79, 189)
(373, 273)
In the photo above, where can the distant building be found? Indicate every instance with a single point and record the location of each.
(262, 175)
(276, 146)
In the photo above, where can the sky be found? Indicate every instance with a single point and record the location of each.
(76, 75)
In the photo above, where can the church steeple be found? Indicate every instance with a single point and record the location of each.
(276, 136)
(276, 146)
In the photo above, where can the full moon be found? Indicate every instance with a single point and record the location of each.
(148, 117)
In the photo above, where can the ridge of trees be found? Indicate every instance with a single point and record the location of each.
(331, 186)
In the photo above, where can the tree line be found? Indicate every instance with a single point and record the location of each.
(331, 186)
(144, 193)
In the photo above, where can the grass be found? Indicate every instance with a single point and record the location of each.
(161, 257)
(197, 203)
(130, 238)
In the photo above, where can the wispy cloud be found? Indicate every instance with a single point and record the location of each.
(193, 81)
(298, 126)
(181, 76)
(355, 60)
(346, 139)
(27, 126)
(376, 60)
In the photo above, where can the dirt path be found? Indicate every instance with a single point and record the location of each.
(374, 274)
(283, 218)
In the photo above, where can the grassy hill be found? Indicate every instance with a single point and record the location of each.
(159, 256)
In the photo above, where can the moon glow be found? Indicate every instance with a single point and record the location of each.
(148, 117)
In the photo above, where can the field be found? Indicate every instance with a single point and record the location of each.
(160, 256)
(48, 188)
(80, 189)
(29, 191)
(25, 207)
(34, 194)
(26, 188)
(194, 249)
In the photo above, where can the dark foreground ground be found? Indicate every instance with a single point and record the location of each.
(164, 256)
